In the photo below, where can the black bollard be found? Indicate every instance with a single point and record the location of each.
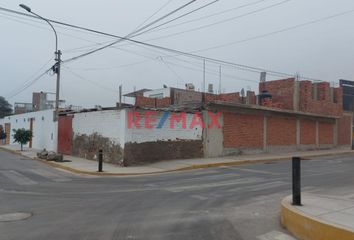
(100, 160)
(296, 181)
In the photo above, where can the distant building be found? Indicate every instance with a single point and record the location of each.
(348, 94)
(20, 108)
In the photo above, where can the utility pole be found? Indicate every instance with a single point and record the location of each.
(120, 95)
(57, 71)
(56, 67)
(204, 75)
(220, 79)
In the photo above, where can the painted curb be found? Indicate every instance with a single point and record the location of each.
(192, 167)
(308, 227)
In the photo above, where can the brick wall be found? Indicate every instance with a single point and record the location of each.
(242, 130)
(323, 103)
(281, 131)
(317, 98)
(282, 92)
(152, 102)
(226, 97)
(344, 133)
(307, 132)
(325, 131)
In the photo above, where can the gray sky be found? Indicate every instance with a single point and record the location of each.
(323, 50)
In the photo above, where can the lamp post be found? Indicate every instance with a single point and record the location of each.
(56, 67)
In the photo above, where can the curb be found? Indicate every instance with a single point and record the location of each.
(192, 167)
(307, 227)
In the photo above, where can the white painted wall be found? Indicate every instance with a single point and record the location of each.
(44, 129)
(108, 123)
(165, 133)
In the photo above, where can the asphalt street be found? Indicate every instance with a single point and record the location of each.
(238, 202)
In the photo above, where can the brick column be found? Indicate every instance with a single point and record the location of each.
(265, 133)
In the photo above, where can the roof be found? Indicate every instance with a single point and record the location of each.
(137, 93)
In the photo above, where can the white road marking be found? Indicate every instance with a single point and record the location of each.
(18, 178)
(215, 184)
(257, 171)
(275, 235)
(260, 187)
(50, 175)
(268, 185)
(199, 197)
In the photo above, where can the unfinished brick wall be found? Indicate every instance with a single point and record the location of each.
(317, 98)
(152, 102)
(282, 92)
(307, 132)
(242, 130)
(323, 103)
(325, 131)
(226, 97)
(344, 127)
(281, 130)
(163, 102)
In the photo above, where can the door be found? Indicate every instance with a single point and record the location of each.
(8, 132)
(65, 135)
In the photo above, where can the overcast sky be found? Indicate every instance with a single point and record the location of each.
(323, 50)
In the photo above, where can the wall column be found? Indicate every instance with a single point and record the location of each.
(298, 133)
(335, 133)
(265, 133)
(317, 135)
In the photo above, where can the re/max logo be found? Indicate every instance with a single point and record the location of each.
(150, 120)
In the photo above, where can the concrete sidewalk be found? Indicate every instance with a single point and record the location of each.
(321, 217)
(84, 166)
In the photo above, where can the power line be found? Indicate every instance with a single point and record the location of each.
(178, 52)
(89, 81)
(29, 79)
(132, 34)
(110, 68)
(181, 16)
(29, 84)
(218, 22)
(211, 15)
(156, 12)
(276, 32)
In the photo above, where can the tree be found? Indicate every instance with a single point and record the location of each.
(5, 107)
(22, 136)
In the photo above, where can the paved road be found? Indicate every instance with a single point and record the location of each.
(216, 203)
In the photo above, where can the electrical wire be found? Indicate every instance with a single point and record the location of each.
(153, 15)
(179, 17)
(132, 34)
(276, 32)
(209, 16)
(28, 84)
(89, 81)
(166, 49)
(218, 22)
(30, 79)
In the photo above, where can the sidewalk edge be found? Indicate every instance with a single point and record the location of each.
(308, 227)
(191, 167)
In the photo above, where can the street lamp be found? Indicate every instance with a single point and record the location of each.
(56, 67)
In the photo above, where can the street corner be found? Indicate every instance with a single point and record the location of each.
(308, 222)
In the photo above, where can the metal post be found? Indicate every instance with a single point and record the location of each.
(100, 160)
(296, 170)
(58, 59)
